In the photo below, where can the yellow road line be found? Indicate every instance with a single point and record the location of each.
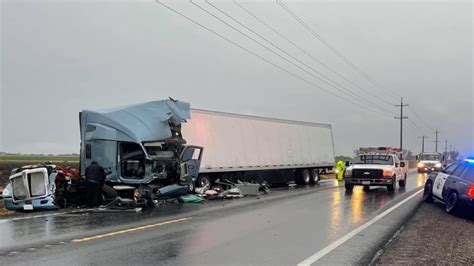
(128, 230)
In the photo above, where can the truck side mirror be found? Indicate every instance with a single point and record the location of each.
(402, 164)
(348, 163)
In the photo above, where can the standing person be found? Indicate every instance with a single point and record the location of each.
(340, 166)
(95, 178)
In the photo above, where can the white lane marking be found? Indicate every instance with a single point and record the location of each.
(318, 255)
(42, 216)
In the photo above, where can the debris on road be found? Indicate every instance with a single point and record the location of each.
(172, 191)
(191, 198)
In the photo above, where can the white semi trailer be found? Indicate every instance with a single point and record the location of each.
(250, 148)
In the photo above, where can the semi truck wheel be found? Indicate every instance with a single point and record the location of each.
(108, 194)
(306, 176)
(302, 177)
(204, 180)
(314, 176)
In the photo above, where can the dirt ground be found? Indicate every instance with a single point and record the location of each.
(432, 237)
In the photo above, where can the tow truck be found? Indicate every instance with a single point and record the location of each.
(380, 166)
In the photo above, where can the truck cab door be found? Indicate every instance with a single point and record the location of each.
(190, 158)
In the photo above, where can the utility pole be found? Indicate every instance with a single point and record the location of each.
(436, 141)
(423, 143)
(401, 117)
(446, 146)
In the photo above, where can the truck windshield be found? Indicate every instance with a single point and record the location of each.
(375, 159)
(430, 157)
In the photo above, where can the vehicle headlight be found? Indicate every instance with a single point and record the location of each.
(388, 173)
(438, 165)
(7, 193)
(337, 171)
(421, 164)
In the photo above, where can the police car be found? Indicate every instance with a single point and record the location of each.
(453, 186)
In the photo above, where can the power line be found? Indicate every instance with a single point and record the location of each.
(332, 84)
(415, 126)
(307, 53)
(421, 120)
(272, 51)
(255, 54)
(335, 51)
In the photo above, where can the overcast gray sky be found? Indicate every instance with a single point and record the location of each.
(59, 57)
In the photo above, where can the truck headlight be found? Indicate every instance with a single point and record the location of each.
(337, 171)
(438, 165)
(421, 165)
(387, 173)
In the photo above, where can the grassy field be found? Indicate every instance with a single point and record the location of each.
(39, 158)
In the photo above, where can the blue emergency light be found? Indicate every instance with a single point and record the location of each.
(469, 160)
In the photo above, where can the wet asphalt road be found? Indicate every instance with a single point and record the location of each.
(283, 228)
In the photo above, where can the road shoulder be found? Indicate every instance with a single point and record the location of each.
(431, 237)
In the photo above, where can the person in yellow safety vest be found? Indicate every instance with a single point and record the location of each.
(340, 166)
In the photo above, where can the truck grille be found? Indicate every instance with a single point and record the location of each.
(367, 173)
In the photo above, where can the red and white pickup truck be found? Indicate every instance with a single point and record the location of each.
(376, 169)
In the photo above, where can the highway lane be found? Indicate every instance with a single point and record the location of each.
(274, 230)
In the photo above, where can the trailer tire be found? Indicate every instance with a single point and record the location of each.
(315, 176)
(303, 177)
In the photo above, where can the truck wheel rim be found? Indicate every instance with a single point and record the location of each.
(306, 177)
(205, 181)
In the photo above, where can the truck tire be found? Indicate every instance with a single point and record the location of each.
(204, 180)
(391, 187)
(349, 187)
(315, 176)
(108, 194)
(303, 177)
(366, 188)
